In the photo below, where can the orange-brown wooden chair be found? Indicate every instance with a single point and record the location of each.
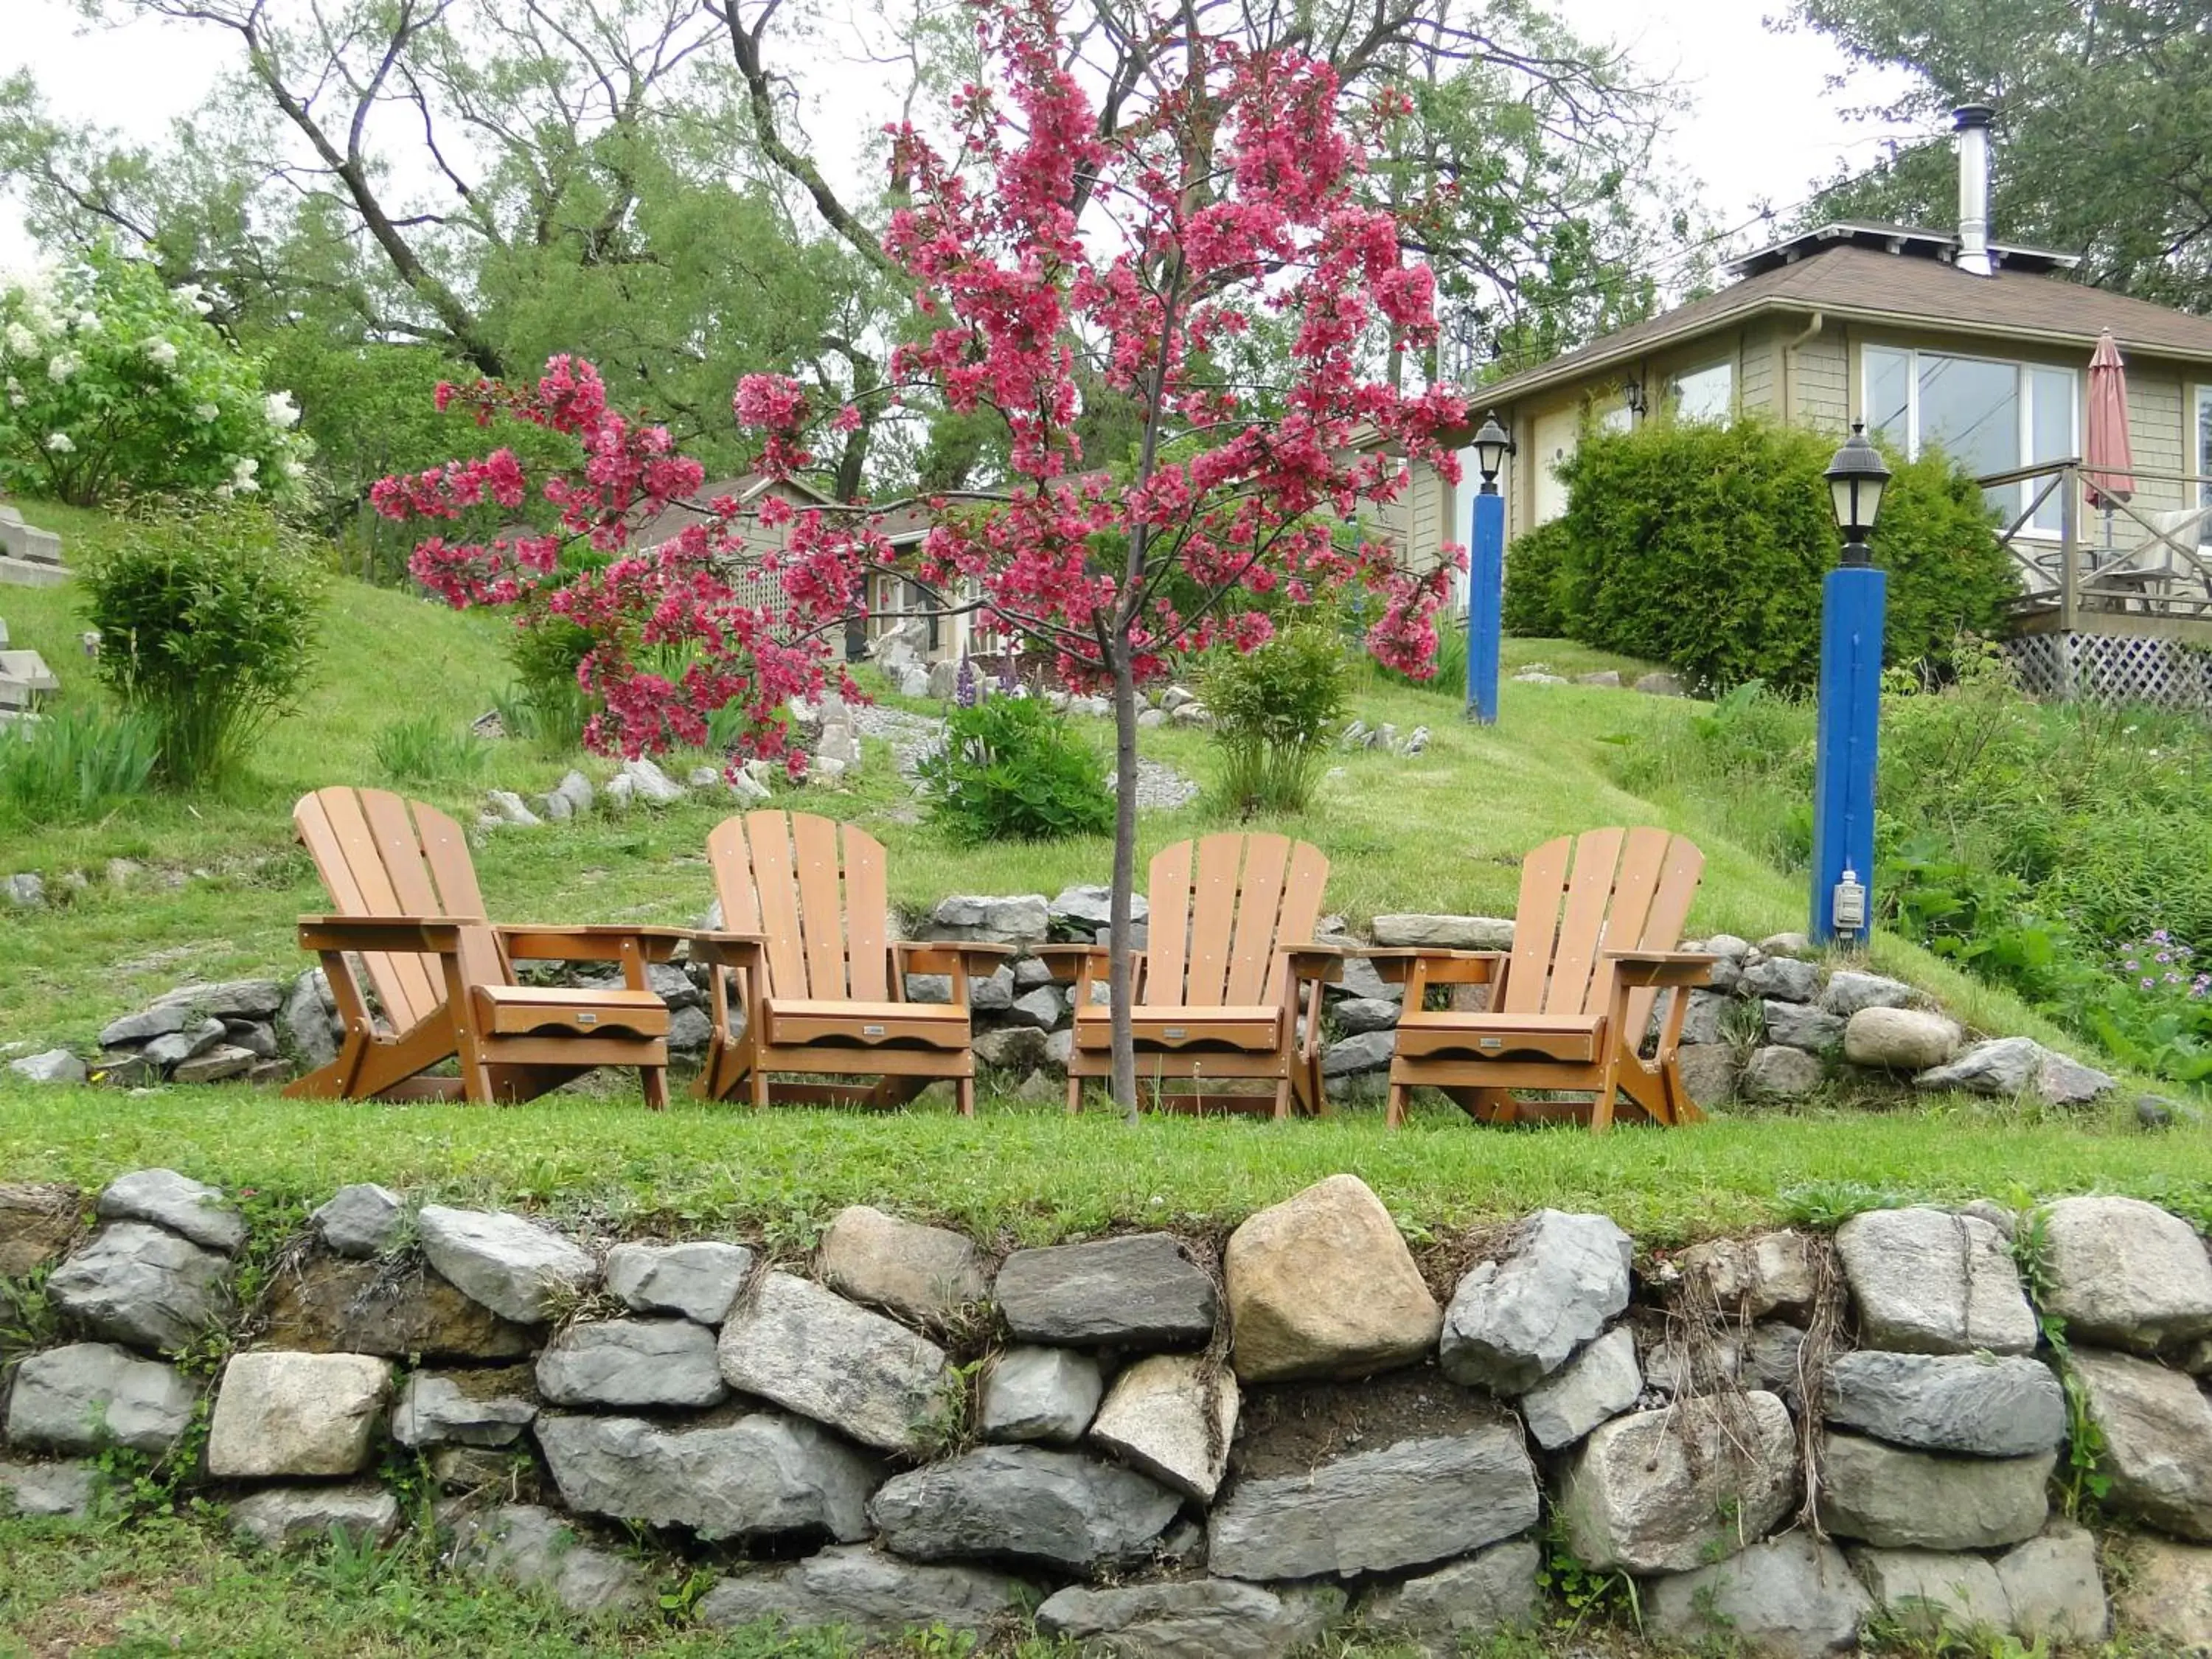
(410, 922)
(1229, 953)
(820, 983)
(1593, 947)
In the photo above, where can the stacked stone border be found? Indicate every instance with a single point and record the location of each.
(1160, 1446)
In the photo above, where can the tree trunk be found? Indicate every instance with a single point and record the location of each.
(1118, 976)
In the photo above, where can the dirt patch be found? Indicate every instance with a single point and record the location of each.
(91, 1621)
(1289, 1428)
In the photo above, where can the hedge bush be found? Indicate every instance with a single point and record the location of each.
(1704, 546)
(1533, 571)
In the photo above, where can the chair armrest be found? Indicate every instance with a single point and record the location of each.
(941, 955)
(597, 942)
(727, 949)
(1394, 964)
(1641, 968)
(1321, 961)
(431, 935)
(1066, 961)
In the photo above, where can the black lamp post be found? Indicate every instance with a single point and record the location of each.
(1485, 574)
(1854, 601)
(1856, 477)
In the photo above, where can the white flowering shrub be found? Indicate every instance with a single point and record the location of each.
(112, 383)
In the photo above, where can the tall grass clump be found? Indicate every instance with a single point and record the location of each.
(73, 763)
(207, 617)
(424, 748)
(1273, 710)
(1011, 770)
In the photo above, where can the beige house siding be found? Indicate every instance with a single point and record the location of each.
(1755, 358)
(2157, 436)
(1820, 380)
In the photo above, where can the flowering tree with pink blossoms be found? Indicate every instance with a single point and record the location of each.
(1225, 193)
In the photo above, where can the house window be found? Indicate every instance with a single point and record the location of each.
(1988, 415)
(1704, 393)
(2202, 462)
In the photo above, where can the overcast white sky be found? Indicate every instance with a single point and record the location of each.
(1763, 125)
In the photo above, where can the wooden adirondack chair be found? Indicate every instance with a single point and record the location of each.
(411, 922)
(1228, 952)
(806, 944)
(1593, 947)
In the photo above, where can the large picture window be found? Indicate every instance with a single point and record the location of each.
(1704, 393)
(1987, 414)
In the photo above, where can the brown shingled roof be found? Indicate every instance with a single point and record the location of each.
(1863, 284)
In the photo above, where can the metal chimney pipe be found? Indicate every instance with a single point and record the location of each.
(1973, 128)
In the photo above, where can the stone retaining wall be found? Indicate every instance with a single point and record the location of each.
(1164, 1446)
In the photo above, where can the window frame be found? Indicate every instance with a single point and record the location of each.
(1725, 365)
(2200, 452)
(2023, 400)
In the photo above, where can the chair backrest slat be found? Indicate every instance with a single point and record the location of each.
(1167, 927)
(1258, 908)
(816, 893)
(1222, 909)
(402, 980)
(1609, 889)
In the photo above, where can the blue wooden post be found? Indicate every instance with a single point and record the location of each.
(1485, 601)
(1854, 598)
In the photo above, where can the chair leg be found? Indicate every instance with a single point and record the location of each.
(756, 1089)
(963, 1090)
(1074, 1094)
(1601, 1107)
(1394, 1118)
(1282, 1099)
(655, 1079)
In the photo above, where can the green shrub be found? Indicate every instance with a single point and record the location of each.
(73, 763)
(1274, 709)
(1704, 547)
(423, 748)
(1012, 769)
(1534, 566)
(546, 706)
(116, 383)
(207, 622)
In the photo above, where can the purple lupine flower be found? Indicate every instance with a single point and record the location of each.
(1009, 681)
(965, 689)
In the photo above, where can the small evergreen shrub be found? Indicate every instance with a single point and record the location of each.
(1012, 769)
(1273, 709)
(73, 763)
(207, 620)
(1534, 567)
(1704, 547)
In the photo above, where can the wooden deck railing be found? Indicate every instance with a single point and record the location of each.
(2114, 566)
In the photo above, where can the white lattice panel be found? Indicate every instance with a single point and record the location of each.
(2114, 669)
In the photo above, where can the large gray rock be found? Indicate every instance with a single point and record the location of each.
(1172, 1416)
(362, 1221)
(1189, 1618)
(632, 1363)
(143, 1285)
(36, 1225)
(280, 1416)
(51, 1066)
(924, 1274)
(1977, 1405)
(1802, 1025)
(188, 1208)
(2014, 1066)
(295, 1517)
(869, 1596)
(1898, 1499)
(1022, 1503)
(2122, 1273)
(1406, 1505)
(520, 1270)
(1672, 1490)
(648, 784)
(699, 1280)
(1049, 1394)
(1929, 1592)
(1369, 1051)
(1322, 1285)
(147, 1024)
(463, 1408)
(1082, 909)
(1781, 979)
(755, 1474)
(1849, 991)
(91, 1394)
(1753, 1278)
(1023, 919)
(1446, 932)
(1514, 1322)
(1597, 1384)
(179, 1047)
(2157, 1428)
(1900, 1039)
(1705, 1018)
(331, 1305)
(2169, 1592)
(310, 1019)
(2052, 1586)
(47, 1491)
(1138, 1291)
(229, 999)
(1444, 1612)
(1356, 1015)
(539, 1550)
(1777, 1073)
(811, 1351)
(1927, 1281)
(1790, 1598)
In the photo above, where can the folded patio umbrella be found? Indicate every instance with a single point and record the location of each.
(2110, 459)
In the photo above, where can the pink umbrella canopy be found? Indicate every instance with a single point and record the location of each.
(2111, 462)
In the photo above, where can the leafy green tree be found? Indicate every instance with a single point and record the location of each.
(2104, 130)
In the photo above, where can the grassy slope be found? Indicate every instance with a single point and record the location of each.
(223, 885)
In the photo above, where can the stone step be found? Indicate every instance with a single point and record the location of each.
(30, 572)
(30, 668)
(24, 541)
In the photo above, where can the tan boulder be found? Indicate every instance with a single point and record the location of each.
(1322, 1285)
(2167, 1592)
